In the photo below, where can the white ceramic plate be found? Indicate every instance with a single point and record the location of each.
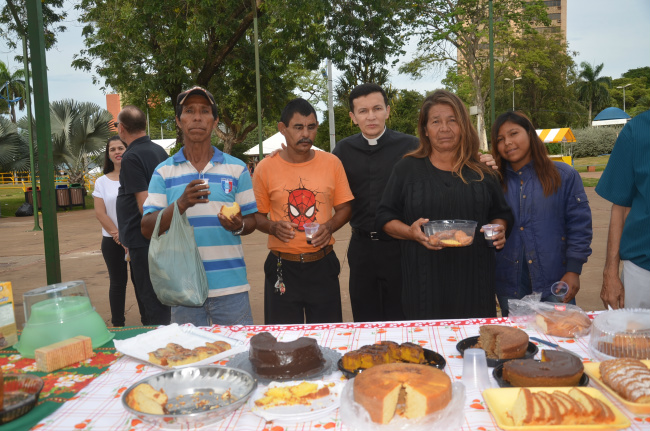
(138, 347)
(298, 413)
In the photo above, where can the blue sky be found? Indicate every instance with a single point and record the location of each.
(602, 31)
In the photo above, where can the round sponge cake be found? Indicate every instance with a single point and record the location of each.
(426, 390)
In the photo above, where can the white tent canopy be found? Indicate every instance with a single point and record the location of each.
(271, 144)
(167, 144)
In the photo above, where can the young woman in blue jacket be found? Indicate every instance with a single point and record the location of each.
(551, 237)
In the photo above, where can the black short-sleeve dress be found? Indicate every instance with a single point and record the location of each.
(452, 282)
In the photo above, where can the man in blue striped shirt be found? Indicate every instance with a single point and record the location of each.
(181, 178)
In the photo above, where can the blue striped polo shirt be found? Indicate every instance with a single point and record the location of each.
(229, 181)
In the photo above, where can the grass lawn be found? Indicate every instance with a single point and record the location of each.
(599, 162)
(12, 197)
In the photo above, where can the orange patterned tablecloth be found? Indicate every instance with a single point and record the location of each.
(98, 405)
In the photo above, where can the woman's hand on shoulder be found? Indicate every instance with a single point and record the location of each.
(487, 160)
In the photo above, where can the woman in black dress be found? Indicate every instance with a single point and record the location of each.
(443, 179)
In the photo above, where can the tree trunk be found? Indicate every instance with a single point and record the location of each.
(480, 122)
(228, 143)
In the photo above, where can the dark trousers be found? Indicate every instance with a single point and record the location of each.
(118, 276)
(375, 279)
(155, 313)
(312, 293)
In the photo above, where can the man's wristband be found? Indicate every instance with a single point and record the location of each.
(240, 230)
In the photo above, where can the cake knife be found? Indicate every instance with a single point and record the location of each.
(548, 343)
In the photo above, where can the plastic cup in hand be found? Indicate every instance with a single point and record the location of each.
(490, 231)
(560, 289)
(475, 369)
(205, 181)
(310, 230)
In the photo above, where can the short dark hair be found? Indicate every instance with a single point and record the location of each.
(132, 119)
(198, 91)
(109, 166)
(364, 90)
(299, 105)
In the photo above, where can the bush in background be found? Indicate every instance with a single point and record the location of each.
(554, 148)
(594, 141)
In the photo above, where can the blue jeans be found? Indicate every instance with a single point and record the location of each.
(525, 288)
(225, 310)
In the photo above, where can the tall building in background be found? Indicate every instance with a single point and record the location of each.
(114, 106)
(556, 10)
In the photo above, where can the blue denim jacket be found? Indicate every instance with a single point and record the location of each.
(552, 233)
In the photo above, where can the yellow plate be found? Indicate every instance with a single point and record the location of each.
(593, 370)
(500, 400)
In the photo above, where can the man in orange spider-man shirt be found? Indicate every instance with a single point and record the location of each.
(297, 186)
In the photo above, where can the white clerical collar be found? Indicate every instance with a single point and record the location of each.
(374, 141)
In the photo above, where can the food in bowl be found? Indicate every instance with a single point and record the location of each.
(450, 233)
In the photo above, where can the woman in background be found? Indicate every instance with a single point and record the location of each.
(105, 198)
(551, 237)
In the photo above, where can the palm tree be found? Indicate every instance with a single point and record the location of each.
(591, 88)
(13, 87)
(12, 148)
(79, 131)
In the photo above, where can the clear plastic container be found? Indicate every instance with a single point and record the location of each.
(623, 333)
(57, 312)
(450, 233)
(54, 291)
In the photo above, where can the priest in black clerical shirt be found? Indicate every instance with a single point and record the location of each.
(368, 158)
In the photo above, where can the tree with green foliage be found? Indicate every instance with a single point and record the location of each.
(641, 72)
(168, 46)
(365, 37)
(404, 111)
(637, 94)
(544, 93)
(457, 33)
(13, 22)
(79, 131)
(592, 89)
(12, 87)
(12, 148)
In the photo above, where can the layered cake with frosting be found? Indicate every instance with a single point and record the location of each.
(423, 389)
(273, 359)
(555, 369)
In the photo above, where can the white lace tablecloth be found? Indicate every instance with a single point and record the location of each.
(98, 407)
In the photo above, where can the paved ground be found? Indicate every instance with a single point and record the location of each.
(22, 260)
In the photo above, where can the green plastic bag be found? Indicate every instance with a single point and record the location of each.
(175, 266)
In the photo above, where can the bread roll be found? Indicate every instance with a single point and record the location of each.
(230, 211)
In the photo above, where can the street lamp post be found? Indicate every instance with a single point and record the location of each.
(624, 87)
(513, 90)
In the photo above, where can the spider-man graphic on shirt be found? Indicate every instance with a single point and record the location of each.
(301, 206)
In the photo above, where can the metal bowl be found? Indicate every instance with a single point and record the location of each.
(196, 395)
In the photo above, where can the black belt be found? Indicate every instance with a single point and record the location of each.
(375, 236)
